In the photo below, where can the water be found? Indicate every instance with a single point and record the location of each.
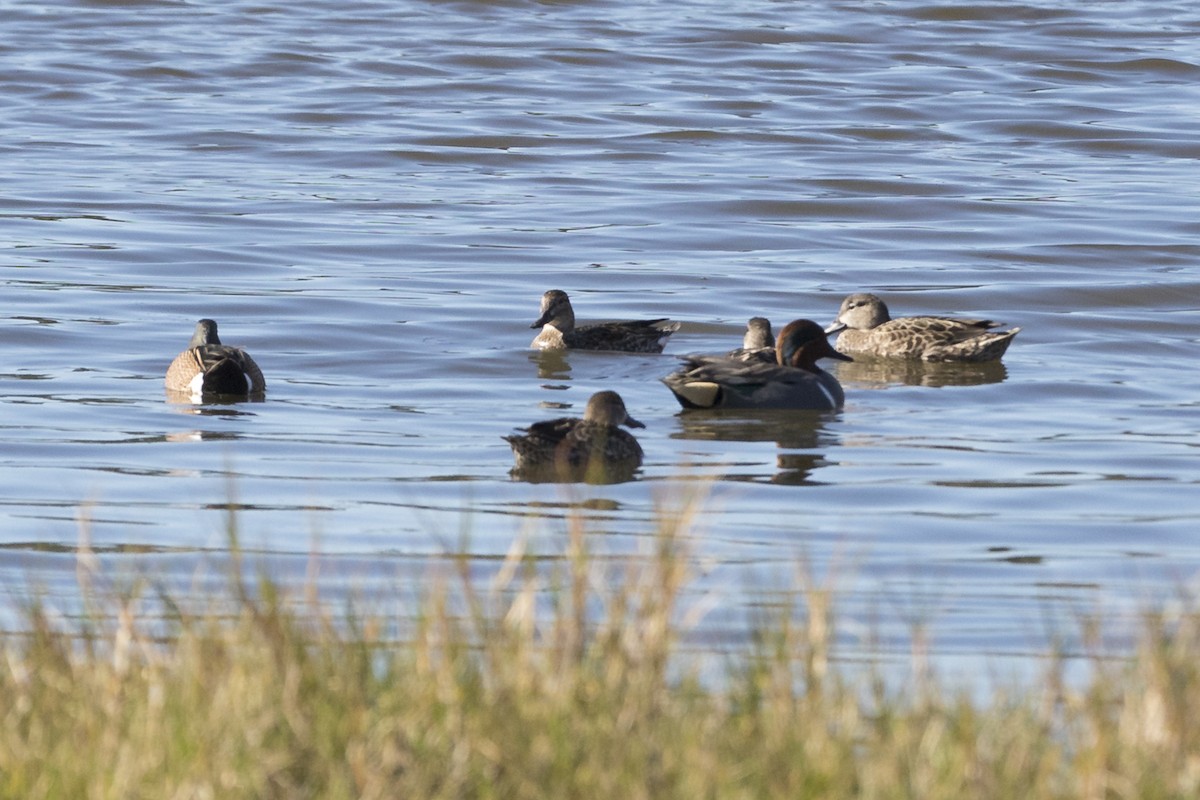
(372, 196)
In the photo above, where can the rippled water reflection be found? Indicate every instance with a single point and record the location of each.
(371, 197)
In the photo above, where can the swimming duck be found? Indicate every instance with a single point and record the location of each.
(867, 328)
(559, 332)
(758, 344)
(209, 367)
(591, 448)
(793, 382)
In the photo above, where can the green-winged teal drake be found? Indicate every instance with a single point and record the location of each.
(593, 448)
(559, 332)
(758, 344)
(793, 382)
(866, 328)
(209, 367)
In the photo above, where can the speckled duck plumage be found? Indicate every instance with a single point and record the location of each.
(208, 367)
(866, 328)
(573, 448)
(557, 322)
(793, 382)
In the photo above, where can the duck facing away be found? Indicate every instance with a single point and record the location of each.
(758, 344)
(559, 332)
(593, 448)
(866, 328)
(793, 382)
(208, 367)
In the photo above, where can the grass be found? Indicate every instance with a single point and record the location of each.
(493, 695)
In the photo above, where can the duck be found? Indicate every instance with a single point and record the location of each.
(208, 367)
(593, 448)
(793, 382)
(557, 322)
(866, 328)
(758, 343)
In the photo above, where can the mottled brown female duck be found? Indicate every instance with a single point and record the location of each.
(758, 344)
(591, 448)
(559, 332)
(793, 382)
(868, 329)
(208, 367)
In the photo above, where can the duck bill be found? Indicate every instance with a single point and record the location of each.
(835, 327)
(630, 422)
(542, 320)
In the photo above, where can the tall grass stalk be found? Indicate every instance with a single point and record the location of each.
(498, 693)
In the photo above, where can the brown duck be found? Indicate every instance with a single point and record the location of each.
(208, 367)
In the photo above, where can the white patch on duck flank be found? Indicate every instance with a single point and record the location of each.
(701, 393)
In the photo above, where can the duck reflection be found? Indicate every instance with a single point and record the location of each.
(222, 405)
(200, 436)
(791, 431)
(796, 469)
(876, 373)
(552, 365)
(604, 475)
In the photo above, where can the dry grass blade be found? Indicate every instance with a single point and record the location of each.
(560, 680)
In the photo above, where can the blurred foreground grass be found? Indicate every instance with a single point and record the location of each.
(495, 695)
